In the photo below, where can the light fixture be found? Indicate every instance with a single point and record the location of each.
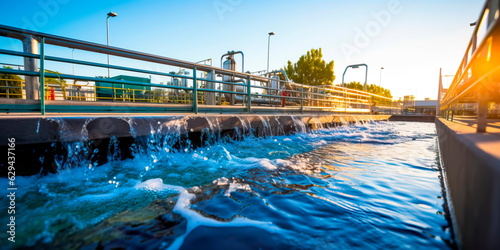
(268, 48)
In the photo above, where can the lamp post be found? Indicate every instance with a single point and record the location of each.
(380, 80)
(268, 48)
(110, 14)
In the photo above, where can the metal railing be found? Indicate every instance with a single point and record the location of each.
(478, 77)
(204, 86)
(9, 91)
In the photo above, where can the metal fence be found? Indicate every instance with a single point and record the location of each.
(476, 84)
(160, 84)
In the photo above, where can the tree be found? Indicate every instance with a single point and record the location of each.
(354, 85)
(11, 84)
(311, 69)
(372, 88)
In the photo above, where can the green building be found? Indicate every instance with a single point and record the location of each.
(124, 91)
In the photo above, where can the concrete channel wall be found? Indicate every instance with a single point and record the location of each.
(412, 118)
(46, 144)
(472, 168)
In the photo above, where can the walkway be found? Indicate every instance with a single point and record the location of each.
(493, 125)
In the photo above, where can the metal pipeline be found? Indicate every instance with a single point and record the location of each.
(356, 66)
(230, 53)
(279, 71)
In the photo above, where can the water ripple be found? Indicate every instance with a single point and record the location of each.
(365, 186)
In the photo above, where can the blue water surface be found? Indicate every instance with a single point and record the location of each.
(365, 186)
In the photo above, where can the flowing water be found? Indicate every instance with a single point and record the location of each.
(373, 185)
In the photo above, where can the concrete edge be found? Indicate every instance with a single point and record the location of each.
(472, 170)
(34, 130)
(53, 143)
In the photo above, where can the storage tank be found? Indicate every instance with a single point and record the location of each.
(229, 64)
(210, 96)
(121, 91)
(274, 84)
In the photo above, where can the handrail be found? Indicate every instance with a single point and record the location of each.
(477, 76)
(298, 93)
(13, 32)
(462, 83)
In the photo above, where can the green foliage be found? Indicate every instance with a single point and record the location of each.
(311, 69)
(160, 95)
(59, 81)
(354, 85)
(372, 88)
(12, 84)
(15, 84)
(56, 81)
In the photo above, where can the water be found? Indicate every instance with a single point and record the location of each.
(374, 185)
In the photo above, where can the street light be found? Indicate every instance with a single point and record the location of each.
(268, 48)
(380, 80)
(110, 14)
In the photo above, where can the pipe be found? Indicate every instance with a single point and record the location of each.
(42, 76)
(229, 53)
(356, 66)
(279, 71)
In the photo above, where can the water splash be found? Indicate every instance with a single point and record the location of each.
(280, 184)
(38, 126)
(266, 129)
(300, 126)
(279, 128)
(211, 134)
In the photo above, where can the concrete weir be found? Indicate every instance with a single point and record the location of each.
(472, 168)
(412, 118)
(48, 144)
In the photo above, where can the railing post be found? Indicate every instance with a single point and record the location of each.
(345, 100)
(482, 113)
(195, 92)
(302, 98)
(32, 84)
(42, 75)
(210, 98)
(249, 95)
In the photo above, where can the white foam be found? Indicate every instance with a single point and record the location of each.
(266, 163)
(319, 143)
(157, 185)
(195, 220)
(221, 181)
(283, 162)
(234, 186)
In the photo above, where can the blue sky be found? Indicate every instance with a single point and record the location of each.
(411, 39)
